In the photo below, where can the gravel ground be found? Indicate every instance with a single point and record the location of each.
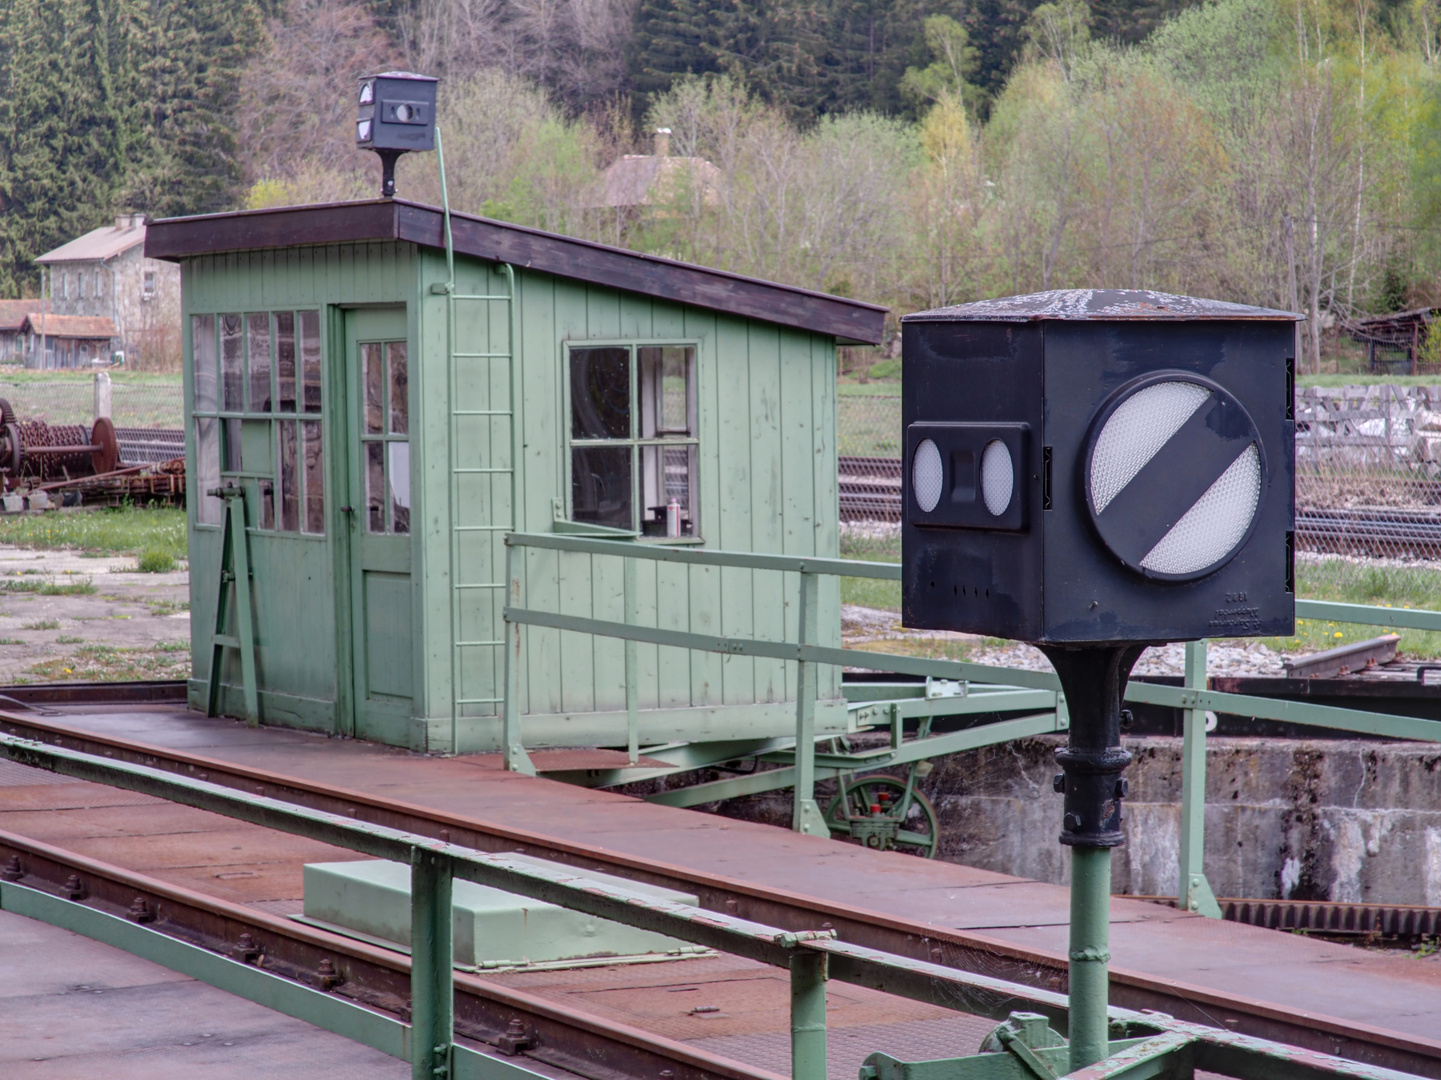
(862, 625)
(53, 627)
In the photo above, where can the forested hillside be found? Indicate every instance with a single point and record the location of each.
(1285, 152)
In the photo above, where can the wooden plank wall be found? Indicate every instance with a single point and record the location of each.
(767, 483)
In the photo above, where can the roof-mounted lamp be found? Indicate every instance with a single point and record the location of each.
(397, 115)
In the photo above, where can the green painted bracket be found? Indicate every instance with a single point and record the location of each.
(338, 1015)
(1020, 1062)
(1199, 899)
(809, 819)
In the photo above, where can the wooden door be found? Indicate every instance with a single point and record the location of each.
(377, 381)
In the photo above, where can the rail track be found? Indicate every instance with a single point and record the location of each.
(376, 976)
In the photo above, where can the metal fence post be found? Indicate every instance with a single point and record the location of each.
(1194, 891)
(512, 749)
(808, 1016)
(807, 817)
(432, 1000)
(632, 691)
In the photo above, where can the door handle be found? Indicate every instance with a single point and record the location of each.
(347, 509)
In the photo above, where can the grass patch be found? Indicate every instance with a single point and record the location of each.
(106, 663)
(43, 624)
(155, 561)
(50, 587)
(168, 607)
(67, 639)
(11, 641)
(119, 531)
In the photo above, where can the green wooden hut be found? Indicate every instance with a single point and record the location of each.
(388, 423)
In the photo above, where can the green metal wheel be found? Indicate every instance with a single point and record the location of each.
(878, 812)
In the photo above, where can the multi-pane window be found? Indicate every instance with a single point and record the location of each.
(633, 438)
(257, 408)
(385, 440)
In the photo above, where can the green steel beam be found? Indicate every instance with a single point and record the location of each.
(952, 742)
(1193, 891)
(808, 1016)
(329, 1012)
(806, 816)
(705, 557)
(1008, 700)
(785, 650)
(1386, 725)
(1368, 615)
(733, 787)
(432, 956)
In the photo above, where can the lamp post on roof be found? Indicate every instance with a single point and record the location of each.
(397, 116)
(1094, 472)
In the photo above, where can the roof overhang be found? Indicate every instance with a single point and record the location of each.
(849, 321)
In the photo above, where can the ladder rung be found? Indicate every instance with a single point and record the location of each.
(467, 470)
(478, 296)
(230, 641)
(478, 700)
(480, 412)
(483, 528)
(477, 644)
(479, 585)
(482, 355)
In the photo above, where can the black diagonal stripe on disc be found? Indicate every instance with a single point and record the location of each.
(1168, 485)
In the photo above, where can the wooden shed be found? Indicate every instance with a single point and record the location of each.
(389, 421)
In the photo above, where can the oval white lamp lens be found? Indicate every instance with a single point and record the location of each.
(998, 477)
(927, 476)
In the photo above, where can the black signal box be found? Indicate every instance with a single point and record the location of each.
(1097, 466)
(397, 112)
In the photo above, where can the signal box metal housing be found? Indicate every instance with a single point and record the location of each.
(397, 112)
(1127, 513)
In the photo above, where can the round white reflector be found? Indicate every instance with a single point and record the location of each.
(927, 475)
(998, 477)
(1136, 431)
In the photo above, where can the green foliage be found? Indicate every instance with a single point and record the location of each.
(155, 561)
(121, 531)
(111, 104)
(947, 74)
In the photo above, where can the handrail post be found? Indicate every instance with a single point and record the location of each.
(512, 749)
(1193, 892)
(808, 1016)
(432, 996)
(807, 817)
(632, 691)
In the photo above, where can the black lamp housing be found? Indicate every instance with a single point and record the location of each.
(397, 115)
(1099, 466)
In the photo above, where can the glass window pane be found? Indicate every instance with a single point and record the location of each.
(667, 473)
(285, 360)
(374, 487)
(676, 368)
(289, 478)
(259, 361)
(600, 486)
(600, 393)
(314, 478)
(399, 469)
(372, 361)
(202, 351)
(207, 453)
(233, 461)
(399, 393)
(232, 377)
(310, 358)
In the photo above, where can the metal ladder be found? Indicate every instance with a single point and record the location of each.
(516, 758)
(234, 572)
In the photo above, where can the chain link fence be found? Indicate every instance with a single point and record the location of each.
(72, 401)
(1368, 489)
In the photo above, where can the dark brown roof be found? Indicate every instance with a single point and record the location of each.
(70, 326)
(1072, 305)
(582, 260)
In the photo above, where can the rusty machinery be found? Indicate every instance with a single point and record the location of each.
(33, 452)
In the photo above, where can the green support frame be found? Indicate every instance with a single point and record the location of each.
(1133, 1044)
(234, 576)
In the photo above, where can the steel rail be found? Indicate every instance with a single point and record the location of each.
(378, 978)
(935, 964)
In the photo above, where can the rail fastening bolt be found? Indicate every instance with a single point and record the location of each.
(326, 975)
(13, 870)
(246, 951)
(515, 1038)
(74, 888)
(140, 911)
